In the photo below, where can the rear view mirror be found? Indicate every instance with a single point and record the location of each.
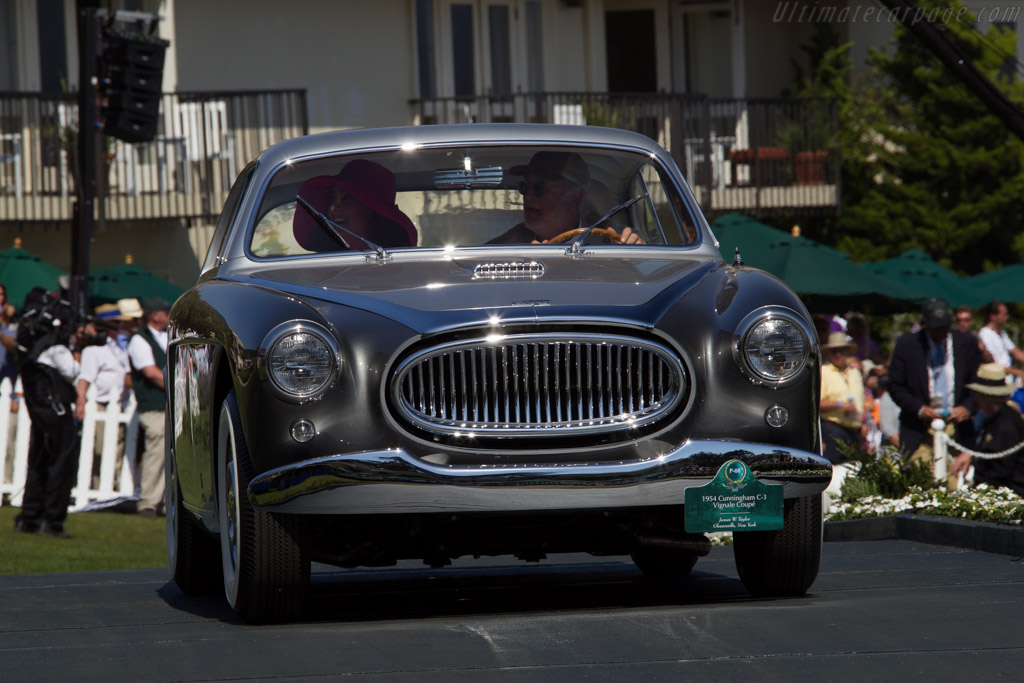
(468, 178)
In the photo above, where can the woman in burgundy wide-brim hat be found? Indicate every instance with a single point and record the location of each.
(361, 198)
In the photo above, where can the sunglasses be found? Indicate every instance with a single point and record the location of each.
(538, 188)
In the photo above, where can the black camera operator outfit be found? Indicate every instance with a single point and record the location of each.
(48, 369)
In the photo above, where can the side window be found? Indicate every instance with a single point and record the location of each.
(664, 214)
(646, 215)
(227, 217)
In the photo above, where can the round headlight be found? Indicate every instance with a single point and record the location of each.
(301, 363)
(775, 348)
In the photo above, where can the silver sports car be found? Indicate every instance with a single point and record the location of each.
(445, 341)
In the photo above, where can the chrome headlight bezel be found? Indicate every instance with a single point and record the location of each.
(284, 331)
(772, 315)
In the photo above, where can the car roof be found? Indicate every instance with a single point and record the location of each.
(482, 133)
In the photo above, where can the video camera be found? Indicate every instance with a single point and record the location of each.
(46, 319)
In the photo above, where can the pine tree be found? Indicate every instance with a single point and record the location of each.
(925, 163)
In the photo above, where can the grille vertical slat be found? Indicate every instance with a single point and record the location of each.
(556, 371)
(504, 383)
(515, 382)
(430, 390)
(538, 390)
(547, 384)
(539, 384)
(590, 381)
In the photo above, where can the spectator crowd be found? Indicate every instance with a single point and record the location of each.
(940, 376)
(117, 351)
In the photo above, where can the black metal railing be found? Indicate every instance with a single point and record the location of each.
(203, 140)
(738, 155)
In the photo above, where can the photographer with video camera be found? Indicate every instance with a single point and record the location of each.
(48, 368)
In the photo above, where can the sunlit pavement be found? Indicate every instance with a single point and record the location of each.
(880, 610)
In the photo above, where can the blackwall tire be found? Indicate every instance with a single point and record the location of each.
(192, 556)
(782, 563)
(266, 571)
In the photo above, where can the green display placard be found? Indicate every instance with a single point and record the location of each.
(734, 501)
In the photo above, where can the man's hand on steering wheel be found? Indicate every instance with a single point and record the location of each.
(627, 236)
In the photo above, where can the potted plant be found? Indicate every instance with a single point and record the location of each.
(808, 140)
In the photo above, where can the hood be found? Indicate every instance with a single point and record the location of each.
(415, 291)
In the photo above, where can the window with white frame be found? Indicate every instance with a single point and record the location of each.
(467, 48)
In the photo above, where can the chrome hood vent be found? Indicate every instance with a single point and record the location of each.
(516, 270)
(530, 385)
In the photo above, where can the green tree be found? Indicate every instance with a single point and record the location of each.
(925, 163)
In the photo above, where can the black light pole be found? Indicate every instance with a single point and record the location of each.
(83, 212)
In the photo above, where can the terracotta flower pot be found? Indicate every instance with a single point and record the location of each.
(809, 167)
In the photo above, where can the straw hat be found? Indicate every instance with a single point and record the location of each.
(991, 381)
(107, 313)
(130, 309)
(839, 340)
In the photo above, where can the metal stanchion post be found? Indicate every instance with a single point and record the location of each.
(939, 447)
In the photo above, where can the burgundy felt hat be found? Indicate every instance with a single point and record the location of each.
(368, 182)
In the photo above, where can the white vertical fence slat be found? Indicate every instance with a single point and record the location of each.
(117, 474)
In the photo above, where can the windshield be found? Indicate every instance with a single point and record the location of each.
(470, 196)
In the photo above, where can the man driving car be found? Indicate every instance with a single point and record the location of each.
(554, 200)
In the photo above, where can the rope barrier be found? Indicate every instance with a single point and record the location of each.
(984, 456)
(943, 441)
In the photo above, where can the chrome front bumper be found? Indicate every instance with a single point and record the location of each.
(395, 482)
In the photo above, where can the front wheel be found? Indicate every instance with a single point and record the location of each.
(784, 562)
(266, 571)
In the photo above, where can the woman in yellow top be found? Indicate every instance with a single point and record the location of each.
(842, 397)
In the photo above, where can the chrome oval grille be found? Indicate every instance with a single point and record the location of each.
(538, 384)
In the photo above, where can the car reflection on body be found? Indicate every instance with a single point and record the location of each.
(443, 395)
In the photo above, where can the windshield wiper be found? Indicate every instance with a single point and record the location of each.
(334, 230)
(574, 246)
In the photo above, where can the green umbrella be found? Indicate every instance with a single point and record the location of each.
(1005, 284)
(820, 273)
(20, 271)
(813, 269)
(734, 231)
(916, 269)
(127, 281)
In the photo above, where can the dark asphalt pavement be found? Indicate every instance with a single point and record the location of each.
(880, 610)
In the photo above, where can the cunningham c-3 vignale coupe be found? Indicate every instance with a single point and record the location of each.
(439, 342)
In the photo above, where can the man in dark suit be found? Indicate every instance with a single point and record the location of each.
(928, 377)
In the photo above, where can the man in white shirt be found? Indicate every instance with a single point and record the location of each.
(104, 366)
(999, 345)
(147, 352)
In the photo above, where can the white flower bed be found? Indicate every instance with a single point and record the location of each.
(982, 503)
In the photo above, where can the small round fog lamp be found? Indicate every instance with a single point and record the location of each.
(303, 430)
(776, 416)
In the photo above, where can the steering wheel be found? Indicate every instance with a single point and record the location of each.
(569, 234)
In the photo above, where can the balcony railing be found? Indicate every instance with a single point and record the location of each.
(203, 141)
(756, 156)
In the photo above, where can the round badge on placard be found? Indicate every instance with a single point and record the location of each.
(735, 472)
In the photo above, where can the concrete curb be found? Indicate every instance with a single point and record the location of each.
(988, 537)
